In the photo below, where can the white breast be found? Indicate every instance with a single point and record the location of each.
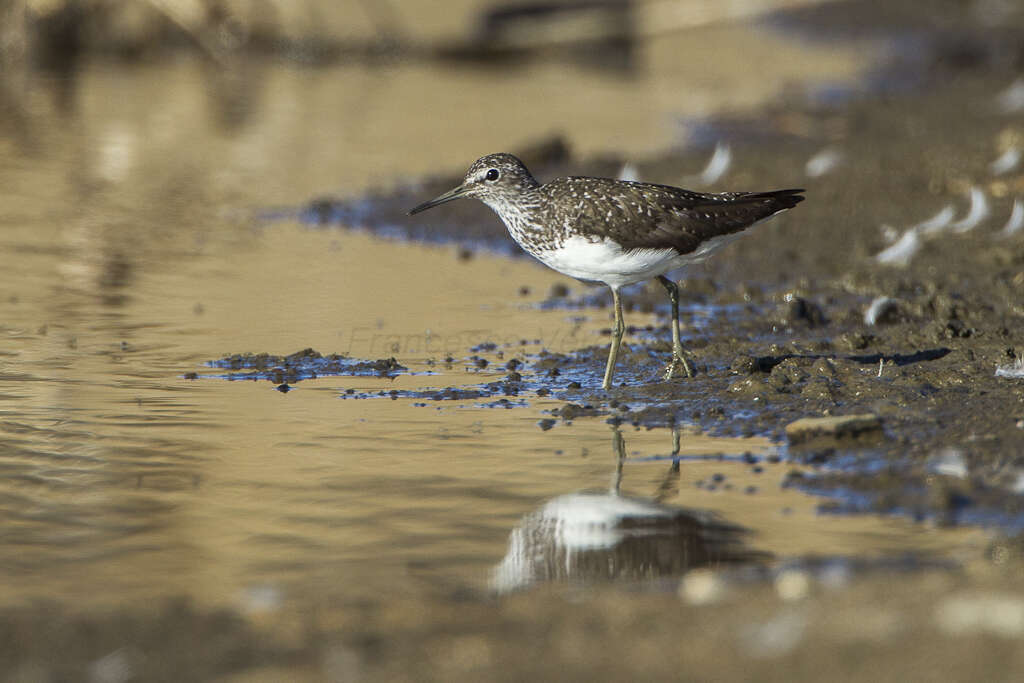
(605, 261)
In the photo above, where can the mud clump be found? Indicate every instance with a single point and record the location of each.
(840, 428)
(305, 364)
(571, 411)
(746, 365)
(800, 311)
(754, 388)
(456, 394)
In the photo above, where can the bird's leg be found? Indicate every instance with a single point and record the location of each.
(670, 484)
(619, 450)
(679, 362)
(613, 352)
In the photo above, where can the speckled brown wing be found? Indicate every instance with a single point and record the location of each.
(644, 215)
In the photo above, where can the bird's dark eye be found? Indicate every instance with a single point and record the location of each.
(492, 174)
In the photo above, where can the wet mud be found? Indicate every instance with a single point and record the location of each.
(305, 364)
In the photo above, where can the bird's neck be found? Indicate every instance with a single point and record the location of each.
(523, 216)
(516, 209)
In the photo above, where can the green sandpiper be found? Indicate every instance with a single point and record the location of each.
(616, 232)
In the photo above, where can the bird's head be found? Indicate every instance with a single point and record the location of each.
(495, 179)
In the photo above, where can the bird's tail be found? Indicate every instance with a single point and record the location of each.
(780, 199)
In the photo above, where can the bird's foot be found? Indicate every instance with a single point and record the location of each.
(679, 366)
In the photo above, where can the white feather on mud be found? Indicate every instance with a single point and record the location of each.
(978, 212)
(901, 253)
(1015, 222)
(882, 309)
(717, 165)
(937, 222)
(1006, 162)
(1014, 370)
(949, 462)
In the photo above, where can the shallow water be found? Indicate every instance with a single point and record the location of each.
(125, 480)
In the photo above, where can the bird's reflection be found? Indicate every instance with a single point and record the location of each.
(605, 535)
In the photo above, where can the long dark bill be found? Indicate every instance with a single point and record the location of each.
(448, 196)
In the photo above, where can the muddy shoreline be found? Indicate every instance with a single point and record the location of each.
(798, 339)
